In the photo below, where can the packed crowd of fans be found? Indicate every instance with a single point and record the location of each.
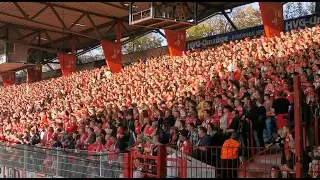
(199, 99)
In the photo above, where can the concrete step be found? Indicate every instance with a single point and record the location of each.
(272, 159)
(241, 174)
(260, 166)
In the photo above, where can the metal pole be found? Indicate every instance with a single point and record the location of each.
(229, 20)
(57, 168)
(6, 45)
(298, 126)
(25, 155)
(39, 51)
(100, 159)
(195, 19)
(130, 13)
(152, 9)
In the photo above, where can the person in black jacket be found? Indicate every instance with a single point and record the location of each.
(257, 115)
(169, 118)
(35, 138)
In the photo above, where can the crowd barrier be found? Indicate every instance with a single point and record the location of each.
(59, 162)
(21, 161)
(170, 163)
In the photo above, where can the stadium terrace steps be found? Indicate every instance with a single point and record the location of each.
(260, 166)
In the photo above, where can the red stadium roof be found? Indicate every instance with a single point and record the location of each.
(55, 22)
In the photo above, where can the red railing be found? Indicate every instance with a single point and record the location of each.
(206, 163)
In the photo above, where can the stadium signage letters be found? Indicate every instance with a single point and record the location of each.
(301, 22)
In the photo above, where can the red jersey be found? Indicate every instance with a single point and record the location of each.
(147, 149)
(186, 148)
(83, 138)
(47, 140)
(148, 130)
(229, 119)
(137, 129)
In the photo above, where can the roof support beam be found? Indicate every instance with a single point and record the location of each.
(77, 20)
(78, 10)
(29, 45)
(17, 31)
(39, 12)
(31, 40)
(21, 10)
(51, 26)
(112, 24)
(50, 40)
(159, 32)
(129, 34)
(116, 6)
(229, 20)
(50, 67)
(57, 15)
(122, 5)
(188, 7)
(28, 35)
(94, 26)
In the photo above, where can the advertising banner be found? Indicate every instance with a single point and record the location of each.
(112, 53)
(9, 78)
(301, 22)
(34, 74)
(176, 41)
(272, 18)
(67, 63)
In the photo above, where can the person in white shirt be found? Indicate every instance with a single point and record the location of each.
(172, 167)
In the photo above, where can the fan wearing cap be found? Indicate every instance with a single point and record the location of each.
(185, 145)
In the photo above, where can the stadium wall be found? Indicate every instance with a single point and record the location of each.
(20, 54)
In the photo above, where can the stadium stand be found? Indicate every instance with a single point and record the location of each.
(193, 103)
(231, 110)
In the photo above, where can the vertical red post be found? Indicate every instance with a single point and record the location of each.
(127, 165)
(183, 168)
(298, 125)
(316, 130)
(161, 161)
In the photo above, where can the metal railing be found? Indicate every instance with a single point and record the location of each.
(62, 162)
(141, 15)
(206, 162)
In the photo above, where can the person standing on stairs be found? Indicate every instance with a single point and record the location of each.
(230, 152)
(289, 149)
(280, 108)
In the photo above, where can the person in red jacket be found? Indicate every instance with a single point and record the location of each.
(71, 125)
(82, 140)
